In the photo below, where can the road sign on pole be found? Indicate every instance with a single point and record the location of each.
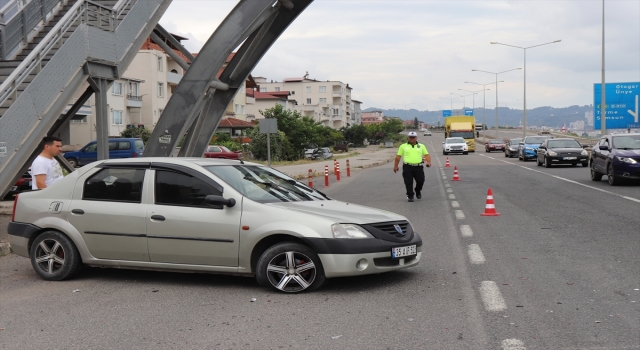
(621, 105)
(268, 126)
(468, 112)
(446, 112)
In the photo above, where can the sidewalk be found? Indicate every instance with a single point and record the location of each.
(368, 157)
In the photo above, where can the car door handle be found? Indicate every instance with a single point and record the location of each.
(157, 217)
(78, 211)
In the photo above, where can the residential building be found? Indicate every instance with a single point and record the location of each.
(372, 117)
(356, 116)
(328, 102)
(265, 100)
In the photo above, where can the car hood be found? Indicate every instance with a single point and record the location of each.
(627, 153)
(340, 212)
(535, 145)
(456, 144)
(572, 149)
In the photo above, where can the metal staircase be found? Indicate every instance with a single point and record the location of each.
(48, 50)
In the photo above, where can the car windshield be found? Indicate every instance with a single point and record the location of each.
(626, 142)
(463, 134)
(263, 184)
(535, 140)
(496, 141)
(455, 140)
(515, 141)
(564, 144)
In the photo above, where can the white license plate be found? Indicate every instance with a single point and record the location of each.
(403, 251)
(570, 158)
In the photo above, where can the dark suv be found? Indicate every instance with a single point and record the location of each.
(118, 148)
(618, 157)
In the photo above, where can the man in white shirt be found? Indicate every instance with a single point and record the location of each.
(45, 170)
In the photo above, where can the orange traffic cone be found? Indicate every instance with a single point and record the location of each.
(455, 174)
(490, 207)
(447, 165)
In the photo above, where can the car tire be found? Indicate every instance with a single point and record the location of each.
(465, 152)
(520, 158)
(271, 270)
(612, 179)
(54, 256)
(445, 153)
(73, 162)
(547, 163)
(585, 164)
(595, 176)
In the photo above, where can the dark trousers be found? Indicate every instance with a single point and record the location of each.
(409, 173)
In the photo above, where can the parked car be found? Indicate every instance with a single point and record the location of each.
(527, 148)
(325, 153)
(511, 147)
(454, 145)
(205, 215)
(118, 148)
(309, 153)
(427, 133)
(494, 145)
(23, 184)
(561, 151)
(222, 152)
(618, 157)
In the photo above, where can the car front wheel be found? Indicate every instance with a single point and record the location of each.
(54, 256)
(613, 181)
(73, 162)
(290, 267)
(547, 162)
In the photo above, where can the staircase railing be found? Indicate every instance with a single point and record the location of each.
(84, 11)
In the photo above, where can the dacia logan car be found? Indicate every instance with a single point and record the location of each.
(205, 215)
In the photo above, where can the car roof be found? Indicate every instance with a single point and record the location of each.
(563, 139)
(177, 160)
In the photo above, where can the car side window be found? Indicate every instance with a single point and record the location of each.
(174, 188)
(124, 145)
(91, 148)
(115, 185)
(113, 146)
(214, 149)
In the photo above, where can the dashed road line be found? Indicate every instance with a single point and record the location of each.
(513, 344)
(459, 215)
(449, 190)
(491, 296)
(447, 185)
(455, 204)
(452, 196)
(475, 254)
(466, 231)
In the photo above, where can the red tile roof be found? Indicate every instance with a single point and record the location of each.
(234, 123)
(279, 95)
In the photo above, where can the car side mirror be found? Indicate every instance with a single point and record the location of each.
(603, 147)
(521, 143)
(219, 200)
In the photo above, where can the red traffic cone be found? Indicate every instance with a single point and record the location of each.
(447, 165)
(490, 207)
(455, 174)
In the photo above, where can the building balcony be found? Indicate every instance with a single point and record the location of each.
(134, 101)
(324, 118)
(337, 93)
(308, 108)
(173, 78)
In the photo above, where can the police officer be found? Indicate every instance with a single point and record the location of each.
(414, 155)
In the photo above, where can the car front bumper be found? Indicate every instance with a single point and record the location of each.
(626, 170)
(564, 160)
(529, 154)
(450, 150)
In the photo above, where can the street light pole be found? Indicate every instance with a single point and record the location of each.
(484, 71)
(524, 119)
(484, 105)
(603, 104)
(474, 97)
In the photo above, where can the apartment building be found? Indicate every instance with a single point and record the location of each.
(264, 100)
(372, 117)
(328, 102)
(356, 115)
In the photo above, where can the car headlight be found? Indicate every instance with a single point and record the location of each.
(552, 153)
(584, 153)
(349, 231)
(627, 160)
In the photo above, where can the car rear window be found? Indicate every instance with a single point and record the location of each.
(495, 141)
(124, 145)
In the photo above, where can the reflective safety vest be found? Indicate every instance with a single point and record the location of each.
(412, 154)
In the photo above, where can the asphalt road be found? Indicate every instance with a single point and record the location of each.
(558, 269)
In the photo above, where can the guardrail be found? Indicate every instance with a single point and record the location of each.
(83, 11)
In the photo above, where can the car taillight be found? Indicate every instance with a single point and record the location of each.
(15, 204)
(20, 182)
(135, 154)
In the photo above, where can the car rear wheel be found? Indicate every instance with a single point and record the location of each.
(595, 176)
(73, 162)
(290, 267)
(54, 256)
(613, 181)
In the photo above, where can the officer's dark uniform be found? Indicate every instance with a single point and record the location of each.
(413, 167)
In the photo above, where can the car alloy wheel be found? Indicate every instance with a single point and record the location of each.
(595, 176)
(73, 162)
(613, 181)
(54, 257)
(290, 267)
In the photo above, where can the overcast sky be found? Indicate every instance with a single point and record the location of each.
(395, 53)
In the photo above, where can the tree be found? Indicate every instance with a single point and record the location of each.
(137, 132)
(355, 134)
(416, 123)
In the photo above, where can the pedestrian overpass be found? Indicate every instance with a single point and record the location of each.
(49, 49)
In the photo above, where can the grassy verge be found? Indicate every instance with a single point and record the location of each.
(307, 161)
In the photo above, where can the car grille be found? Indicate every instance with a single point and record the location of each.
(390, 229)
(456, 147)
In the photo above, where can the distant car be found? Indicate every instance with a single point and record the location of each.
(454, 145)
(618, 157)
(309, 152)
(222, 152)
(23, 184)
(511, 147)
(427, 133)
(562, 151)
(527, 148)
(118, 148)
(325, 153)
(494, 145)
(205, 216)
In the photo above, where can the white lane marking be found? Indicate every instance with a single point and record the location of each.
(570, 181)
(459, 215)
(475, 254)
(444, 177)
(466, 231)
(447, 185)
(513, 344)
(449, 190)
(455, 204)
(452, 196)
(491, 296)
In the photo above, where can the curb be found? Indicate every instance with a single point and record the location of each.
(331, 172)
(5, 249)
